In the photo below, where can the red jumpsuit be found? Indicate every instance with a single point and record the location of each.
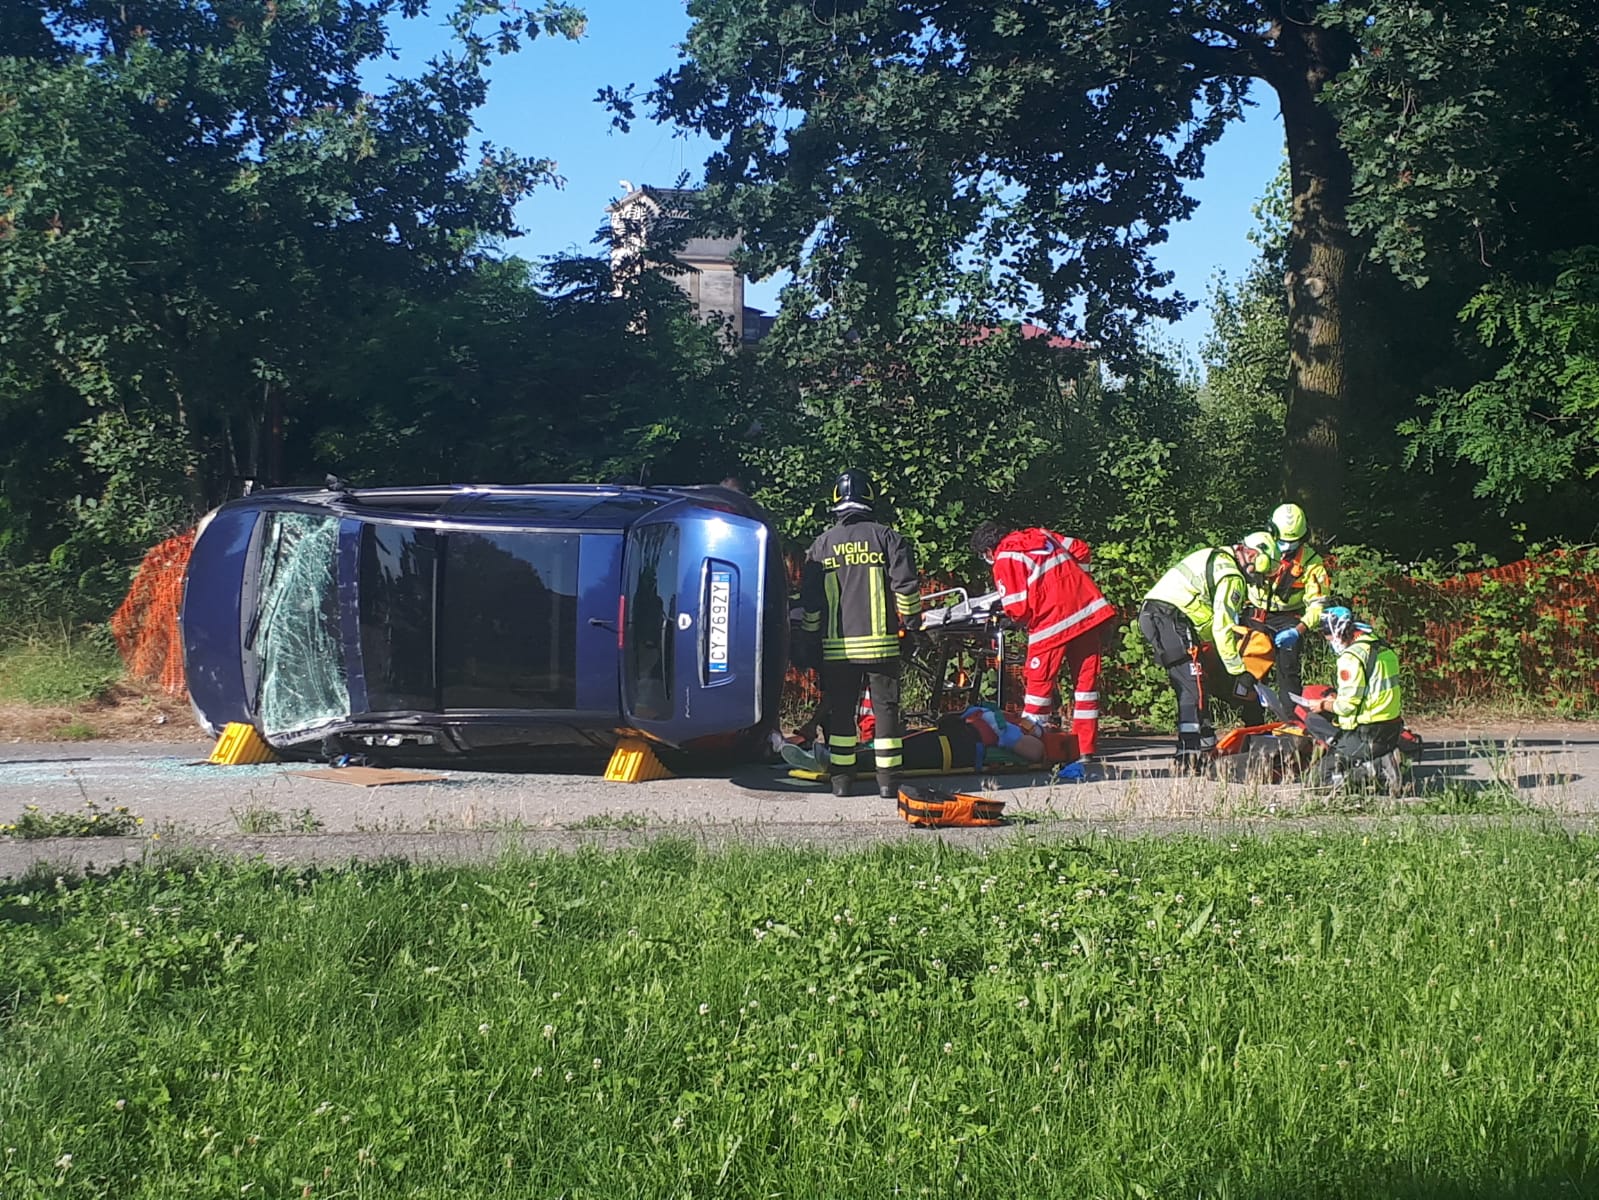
(1046, 588)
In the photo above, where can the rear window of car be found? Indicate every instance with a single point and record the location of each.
(650, 624)
(508, 620)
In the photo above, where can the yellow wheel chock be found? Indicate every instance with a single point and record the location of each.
(239, 745)
(635, 761)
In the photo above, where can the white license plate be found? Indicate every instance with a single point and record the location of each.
(719, 626)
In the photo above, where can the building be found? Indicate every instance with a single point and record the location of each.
(648, 224)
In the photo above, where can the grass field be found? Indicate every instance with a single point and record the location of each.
(1415, 1014)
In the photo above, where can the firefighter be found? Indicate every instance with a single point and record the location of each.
(1295, 593)
(1045, 586)
(1368, 704)
(857, 587)
(1190, 619)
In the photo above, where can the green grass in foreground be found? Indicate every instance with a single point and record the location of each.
(1403, 1015)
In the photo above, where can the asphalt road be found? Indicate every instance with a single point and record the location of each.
(278, 812)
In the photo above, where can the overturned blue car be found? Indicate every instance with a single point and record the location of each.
(431, 623)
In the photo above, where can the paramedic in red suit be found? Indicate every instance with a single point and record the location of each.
(1046, 587)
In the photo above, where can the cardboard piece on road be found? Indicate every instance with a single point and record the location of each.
(370, 776)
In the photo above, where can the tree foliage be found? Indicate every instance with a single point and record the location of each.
(1533, 425)
(1052, 140)
(193, 189)
(1473, 128)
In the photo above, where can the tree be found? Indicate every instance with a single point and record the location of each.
(194, 191)
(1474, 133)
(1052, 138)
(520, 374)
(1530, 427)
(1473, 130)
(948, 413)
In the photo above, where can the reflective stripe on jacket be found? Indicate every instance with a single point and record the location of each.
(1300, 585)
(1368, 684)
(1208, 588)
(1044, 586)
(858, 583)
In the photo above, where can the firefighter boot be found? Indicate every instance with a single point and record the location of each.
(887, 785)
(843, 785)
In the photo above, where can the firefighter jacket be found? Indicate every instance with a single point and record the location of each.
(1300, 585)
(1368, 683)
(1044, 586)
(1208, 588)
(858, 583)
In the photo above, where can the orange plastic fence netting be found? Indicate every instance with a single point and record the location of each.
(146, 623)
(1471, 633)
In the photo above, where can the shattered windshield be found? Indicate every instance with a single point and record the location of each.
(296, 627)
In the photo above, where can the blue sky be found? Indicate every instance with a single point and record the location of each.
(541, 103)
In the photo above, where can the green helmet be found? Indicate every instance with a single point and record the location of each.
(1288, 522)
(1257, 555)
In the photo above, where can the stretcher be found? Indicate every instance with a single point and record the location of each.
(960, 640)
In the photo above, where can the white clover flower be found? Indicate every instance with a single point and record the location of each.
(64, 1162)
(570, 1076)
(549, 1032)
(705, 1010)
(483, 1029)
(120, 1105)
(949, 1047)
(597, 1064)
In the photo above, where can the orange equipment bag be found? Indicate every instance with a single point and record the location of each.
(930, 808)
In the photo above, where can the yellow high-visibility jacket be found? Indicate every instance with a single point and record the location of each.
(1368, 683)
(1208, 588)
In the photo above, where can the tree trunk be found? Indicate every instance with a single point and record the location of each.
(1320, 275)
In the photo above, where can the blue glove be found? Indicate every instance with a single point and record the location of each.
(1286, 637)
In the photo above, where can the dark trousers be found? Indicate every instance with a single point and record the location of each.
(1362, 744)
(1289, 680)
(841, 691)
(1171, 636)
(1196, 673)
